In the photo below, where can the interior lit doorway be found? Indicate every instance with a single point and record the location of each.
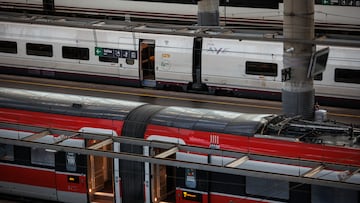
(100, 177)
(163, 182)
(147, 62)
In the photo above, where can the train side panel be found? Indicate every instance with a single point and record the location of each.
(70, 53)
(238, 64)
(31, 181)
(341, 76)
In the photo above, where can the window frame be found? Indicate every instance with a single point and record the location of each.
(108, 59)
(8, 154)
(75, 53)
(36, 49)
(261, 68)
(9, 47)
(351, 75)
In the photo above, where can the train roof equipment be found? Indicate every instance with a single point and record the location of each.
(156, 28)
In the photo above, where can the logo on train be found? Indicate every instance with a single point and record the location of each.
(216, 50)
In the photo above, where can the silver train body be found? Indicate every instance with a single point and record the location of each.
(240, 67)
(339, 12)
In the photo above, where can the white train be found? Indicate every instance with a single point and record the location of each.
(231, 11)
(240, 67)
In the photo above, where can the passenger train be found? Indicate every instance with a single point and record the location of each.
(231, 11)
(85, 50)
(77, 178)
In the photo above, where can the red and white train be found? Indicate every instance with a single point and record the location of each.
(327, 12)
(81, 49)
(70, 177)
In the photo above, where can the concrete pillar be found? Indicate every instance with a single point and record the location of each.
(298, 92)
(208, 13)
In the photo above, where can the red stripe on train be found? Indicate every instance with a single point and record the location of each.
(262, 146)
(57, 120)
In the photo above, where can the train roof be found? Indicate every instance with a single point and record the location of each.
(66, 104)
(165, 29)
(210, 120)
(258, 125)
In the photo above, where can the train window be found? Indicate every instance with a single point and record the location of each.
(300, 192)
(108, 59)
(70, 161)
(8, 47)
(75, 53)
(39, 49)
(130, 61)
(227, 183)
(347, 75)
(6, 152)
(323, 2)
(190, 178)
(42, 157)
(22, 155)
(318, 76)
(333, 195)
(267, 187)
(260, 68)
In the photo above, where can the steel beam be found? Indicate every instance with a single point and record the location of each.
(101, 144)
(183, 164)
(312, 172)
(237, 162)
(167, 153)
(36, 136)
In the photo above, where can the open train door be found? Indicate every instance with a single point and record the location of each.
(160, 180)
(100, 176)
(147, 62)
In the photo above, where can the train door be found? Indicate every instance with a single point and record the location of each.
(163, 181)
(147, 62)
(100, 177)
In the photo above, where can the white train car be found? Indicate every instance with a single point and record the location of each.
(239, 67)
(67, 52)
(253, 69)
(242, 67)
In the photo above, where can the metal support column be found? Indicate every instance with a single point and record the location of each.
(208, 13)
(298, 92)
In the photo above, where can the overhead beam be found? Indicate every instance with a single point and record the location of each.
(36, 136)
(63, 138)
(167, 153)
(310, 173)
(101, 144)
(184, 164)
(347, 174)
(237, 162)
(164, 145)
